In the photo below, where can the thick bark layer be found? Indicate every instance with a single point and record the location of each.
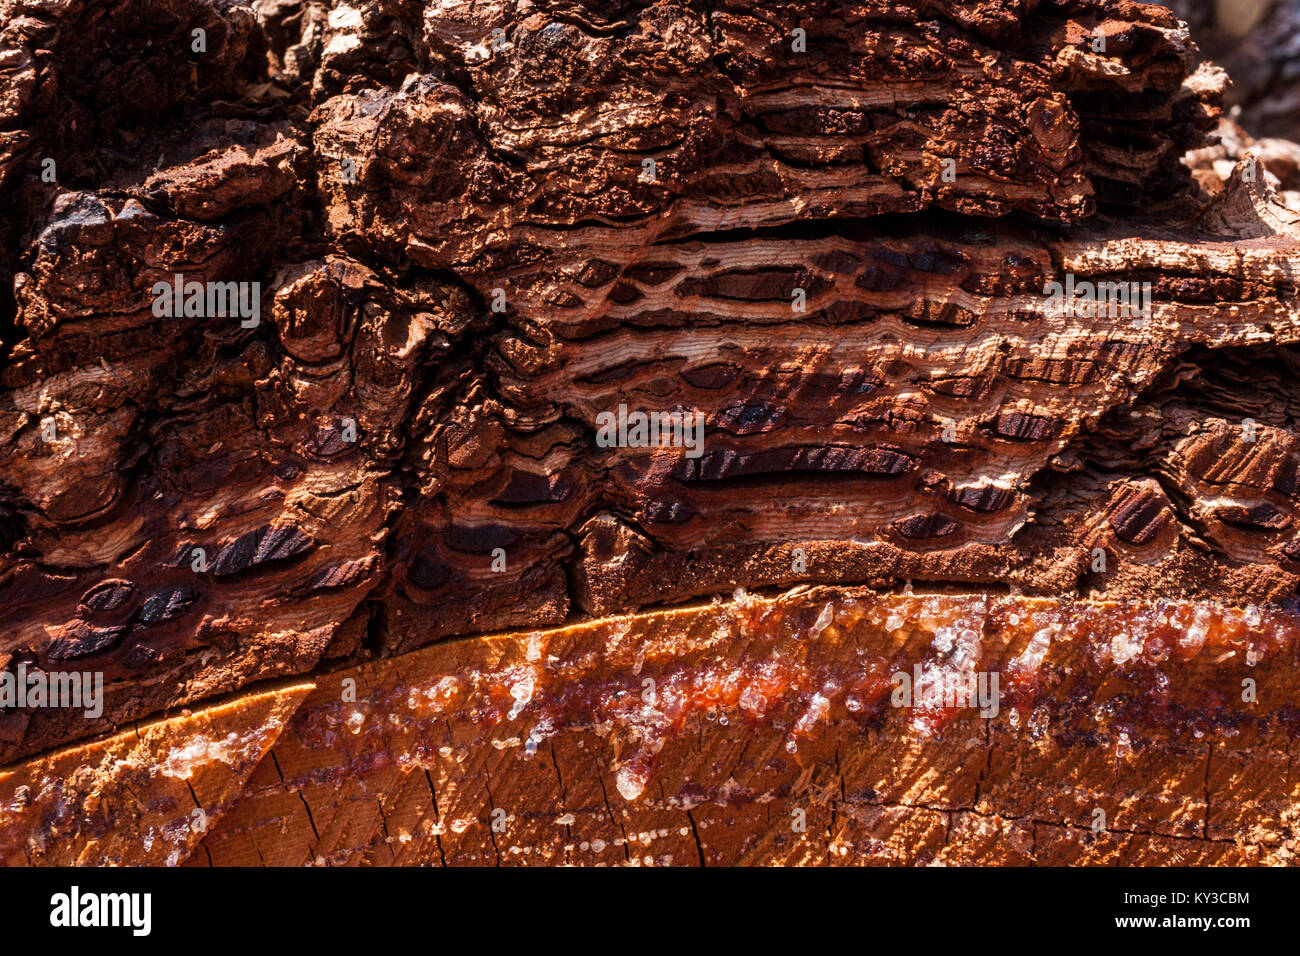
(827, 228)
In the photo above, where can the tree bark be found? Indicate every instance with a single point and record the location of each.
(468, 237)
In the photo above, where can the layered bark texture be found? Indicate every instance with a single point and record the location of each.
(446, 242)
(749, 731)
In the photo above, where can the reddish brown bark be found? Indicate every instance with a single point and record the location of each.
(474, 230)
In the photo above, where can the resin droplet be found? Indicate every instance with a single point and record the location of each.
(631, 784)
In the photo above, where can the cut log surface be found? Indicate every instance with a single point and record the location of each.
(353, 555)
(142, 797)
(756, 730)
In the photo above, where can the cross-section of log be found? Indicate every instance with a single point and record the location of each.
(824, 726)
(144, 797)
